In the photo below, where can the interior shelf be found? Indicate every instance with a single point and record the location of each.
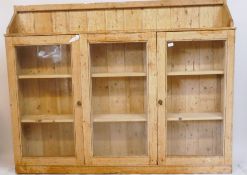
(35, 76)
(63, 118)
(120, 74)
(194, 116)
(213, 72)
(100, 118)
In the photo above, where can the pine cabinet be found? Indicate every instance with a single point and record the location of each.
(132, 87)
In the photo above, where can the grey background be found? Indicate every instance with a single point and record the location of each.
(239, 13)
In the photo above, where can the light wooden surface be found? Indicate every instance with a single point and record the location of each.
(43, 76)
(195, 73)
(47, 119)
(128, 87)
(101, 118)
(125, 169)
(112, 5)
(194, 116)
(124, 74)
(111, 17)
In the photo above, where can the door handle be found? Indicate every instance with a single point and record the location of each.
(78, 103)
(160, 102)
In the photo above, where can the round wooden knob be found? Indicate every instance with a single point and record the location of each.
(160, 102)
(78, 103)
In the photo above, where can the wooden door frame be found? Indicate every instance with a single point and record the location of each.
(162, 39)
(11, 43)
(150, 39)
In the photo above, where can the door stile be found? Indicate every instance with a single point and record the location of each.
(162, 83)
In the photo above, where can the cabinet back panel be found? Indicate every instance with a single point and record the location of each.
(196, 55)
(118, 95)
(126, 57)
(120, 139)
(195, 138)
(52, 59)
(45, 96)
(131, 19)
(48, 139)
(195, 93)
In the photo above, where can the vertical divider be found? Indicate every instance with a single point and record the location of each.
(152, 98)
(86, 102)
(161, 61)
(77, 83)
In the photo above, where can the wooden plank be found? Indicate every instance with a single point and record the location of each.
(119, 5)
(96, 20)
(133, 19)
(41, 18)
(199, 36)
(229, 97)
(122, 161)
(152, 98)
(124, 74)
(163, 23)
(183, 17)
(60, 21)
(14, 101)
(47, 118)
(114, 19)
(43, 76)
(119, 118)
(47, 161)
(211, 16)
(190, 161)
(125, 169)
(162, 90)
(25, 23)
(150, 18)
(86, 99)
(194, 116)
(77, 99)
(122, 31)
(196, 73)
(77, 21)
(41, 40)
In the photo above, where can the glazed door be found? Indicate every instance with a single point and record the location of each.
(46, 110)
(192, 73)
(119, 99)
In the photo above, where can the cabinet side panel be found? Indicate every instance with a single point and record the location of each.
(13, 92)
(229, 97)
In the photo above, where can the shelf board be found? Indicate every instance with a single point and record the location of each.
(68, 118)
(215, 72)
(100, 118)
(35, 76)
(120, 74)
(194, 116)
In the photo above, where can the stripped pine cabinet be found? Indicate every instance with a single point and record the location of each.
(127, 87)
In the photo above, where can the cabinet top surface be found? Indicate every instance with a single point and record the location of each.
(118, 5)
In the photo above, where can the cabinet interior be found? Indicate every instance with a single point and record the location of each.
(45, 100)
(119, 95)
(195, 98)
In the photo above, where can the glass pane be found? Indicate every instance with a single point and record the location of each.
(46, 102)
(119, 115)
(48, 139)
(52, 59)
(195, 56)
(195, 98)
